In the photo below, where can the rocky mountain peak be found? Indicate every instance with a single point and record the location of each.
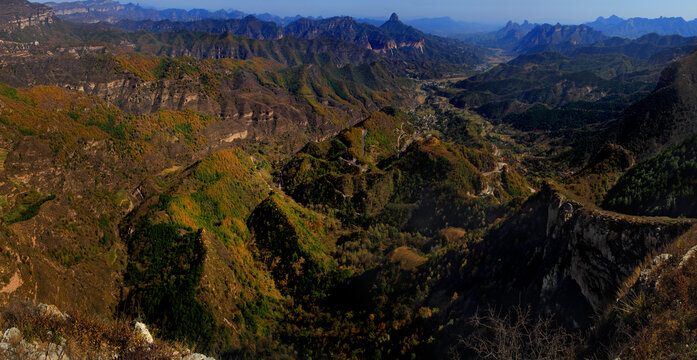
(394, 17)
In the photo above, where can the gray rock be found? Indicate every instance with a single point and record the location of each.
(12, 336)
(143, 334)
(657, 262)
(688, 255)
(197, 356)
(51, 311)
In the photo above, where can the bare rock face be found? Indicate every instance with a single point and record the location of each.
(19, 14)
(565, 258)
(597, 252)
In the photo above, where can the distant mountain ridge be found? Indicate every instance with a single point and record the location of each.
(529, 38)
(110, 11)
(505, 38)
(636, 27)
(342, 28)
(92, 11)
(393, 38)
(539, 38)
(446, 26)
(248, 26)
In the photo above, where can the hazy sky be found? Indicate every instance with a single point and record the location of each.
(482, 11)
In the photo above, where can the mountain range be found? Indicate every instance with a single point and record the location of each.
(331, 188)
(111, 11)
(392, 39)
(637, 27)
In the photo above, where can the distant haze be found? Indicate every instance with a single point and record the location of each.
(489, 11)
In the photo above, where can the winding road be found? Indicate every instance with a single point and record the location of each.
(489, 191)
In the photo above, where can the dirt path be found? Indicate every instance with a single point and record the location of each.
(499, 165)
(499, 168)
(487, 192)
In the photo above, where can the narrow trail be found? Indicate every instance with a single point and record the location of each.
(499, 168)
(499, 165)
(354, 162)
(489, 191)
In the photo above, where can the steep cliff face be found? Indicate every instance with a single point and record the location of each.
(19, 14)
(563, 258)
(596, 252)
(245, 105)
(257, 99)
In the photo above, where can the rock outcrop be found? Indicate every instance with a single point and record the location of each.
(595, 252)
(142, 333)
(565, 258)
(34, 335)
(19, 14)
(14, 346)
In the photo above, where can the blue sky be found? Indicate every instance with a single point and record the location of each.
(482, 11)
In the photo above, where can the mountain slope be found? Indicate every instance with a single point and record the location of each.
(655, 47)
(577, 259)
(258, 98)
(579, 83)
(19, 14)
(413, 45)
(660, 186)
(666, 116)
